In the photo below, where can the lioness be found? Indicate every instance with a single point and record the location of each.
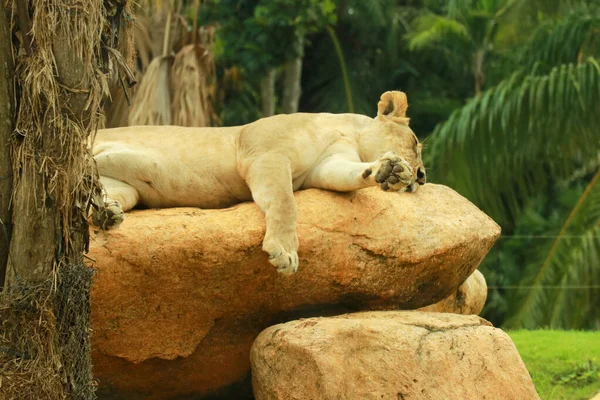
(265, 161)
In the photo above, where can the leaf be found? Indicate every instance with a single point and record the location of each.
(569, 272)
(555, 43)
(430, 29)
(532, 130)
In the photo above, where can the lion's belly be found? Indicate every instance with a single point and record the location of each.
(203, 190)
(191, 171)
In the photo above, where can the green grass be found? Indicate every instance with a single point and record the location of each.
(564, 365)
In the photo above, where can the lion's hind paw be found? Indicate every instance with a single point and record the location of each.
(108, 217)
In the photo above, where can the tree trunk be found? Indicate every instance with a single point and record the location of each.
(38, 230)
(267, 91)
(292, 89)
(61, 87)
(34, 233)
(6, 127)
(479, 75)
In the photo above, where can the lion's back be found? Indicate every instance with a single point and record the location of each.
(199, 166)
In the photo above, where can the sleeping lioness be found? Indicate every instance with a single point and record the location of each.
(265, 161)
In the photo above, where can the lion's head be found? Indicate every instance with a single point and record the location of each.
(391, 132)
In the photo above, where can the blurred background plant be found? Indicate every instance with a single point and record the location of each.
(505, 93)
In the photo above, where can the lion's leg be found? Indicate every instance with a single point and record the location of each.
(117, 198)
(270, 180)
(345, 173)
(126, 195)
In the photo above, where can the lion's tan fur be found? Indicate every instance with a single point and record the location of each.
(168, 166)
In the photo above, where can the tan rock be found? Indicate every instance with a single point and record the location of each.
(468, 299)
(388, 355)
(181, 294)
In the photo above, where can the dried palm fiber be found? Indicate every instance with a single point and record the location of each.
(193, 79)
(149, 33)
(44, 310)
(151, 104)
(116, 108)
(122, 63)
(161, 36)
(44, 345)
(143, 42)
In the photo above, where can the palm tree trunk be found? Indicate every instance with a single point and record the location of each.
(36, 234)
(267, 91)
(6, 126)
(292, 89)
(479, 75)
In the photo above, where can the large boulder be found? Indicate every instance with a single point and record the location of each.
(468, 298)
(181, 294)
(388, 355)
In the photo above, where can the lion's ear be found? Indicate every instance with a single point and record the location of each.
(393, 105)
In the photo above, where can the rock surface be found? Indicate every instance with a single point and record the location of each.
(181, 294)
(388, 355)
(468, 299)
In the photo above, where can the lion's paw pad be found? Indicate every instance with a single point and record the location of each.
(394, 173)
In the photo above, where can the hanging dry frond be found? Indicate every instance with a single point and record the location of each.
(116, 111)
(192, 73)
(143, 42)
(151, 104)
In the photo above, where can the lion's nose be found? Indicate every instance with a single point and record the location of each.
(421, 176)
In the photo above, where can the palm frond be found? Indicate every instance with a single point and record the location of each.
(377, 9)
(519, 137)
(458, 8)
(552, 7)
(554, 43)
(569, 274)
(431, 29)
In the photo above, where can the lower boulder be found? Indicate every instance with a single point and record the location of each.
(388, 355)
(181, 294)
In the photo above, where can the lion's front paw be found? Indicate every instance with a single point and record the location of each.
(394, 172)
(286, 261)
(108, 217)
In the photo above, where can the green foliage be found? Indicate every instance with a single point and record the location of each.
(340, 54)
(582, 375)
(431, 29)
(257, 35)
(519, 138)
(463, 32)
(562, 42)
(377, 59)
(567, 277)
(564, 365)
(524, 138)
(306, 16)
(539, 223)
